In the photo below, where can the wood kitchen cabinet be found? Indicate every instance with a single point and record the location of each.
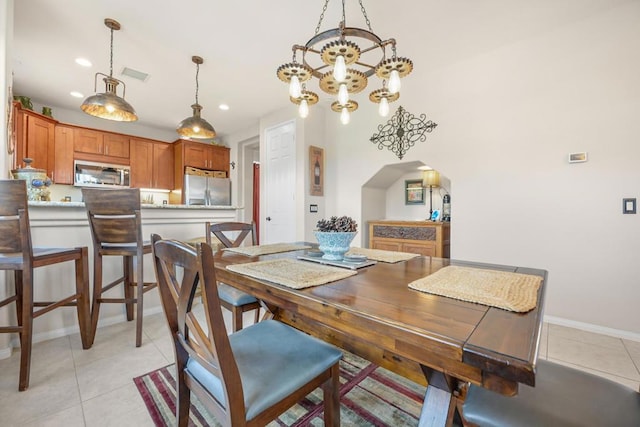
(204, 156)
(420, 237)
(34, 139)
(63, 155)
(152, 164)
(100, 146)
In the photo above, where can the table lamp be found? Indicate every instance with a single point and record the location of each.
(430, 178)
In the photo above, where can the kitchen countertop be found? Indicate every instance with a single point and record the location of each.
(144, 206)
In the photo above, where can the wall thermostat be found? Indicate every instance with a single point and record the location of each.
(577, 157)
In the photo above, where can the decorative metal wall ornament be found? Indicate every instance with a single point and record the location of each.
(402, 131)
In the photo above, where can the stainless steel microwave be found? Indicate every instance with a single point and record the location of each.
(93, 174)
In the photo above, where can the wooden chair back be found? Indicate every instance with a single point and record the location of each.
(179, 268)
(15, 234)
(220, 230)
(114, 215)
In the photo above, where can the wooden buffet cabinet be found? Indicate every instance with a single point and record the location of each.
(420, 237)
(54, 146)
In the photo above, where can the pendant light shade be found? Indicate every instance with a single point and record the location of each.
(195, 126)
(109, 105)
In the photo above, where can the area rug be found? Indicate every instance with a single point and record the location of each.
(369, 396)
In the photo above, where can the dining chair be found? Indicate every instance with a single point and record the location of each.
(247, 378)
(18, 255)
(562, 396)
(116, 230)
(231, 235)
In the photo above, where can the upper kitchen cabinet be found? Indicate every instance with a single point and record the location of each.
(152, 164)
(63, 155)
(99, 146)
(202, 155)
(34, 138)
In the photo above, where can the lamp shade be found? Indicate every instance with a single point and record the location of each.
(195, 126)
(431, 178)
(108, 105)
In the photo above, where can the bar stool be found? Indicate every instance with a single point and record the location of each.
(17, 254)
(231, 298)
(116, 229)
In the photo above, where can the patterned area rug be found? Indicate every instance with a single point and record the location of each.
(369, 396)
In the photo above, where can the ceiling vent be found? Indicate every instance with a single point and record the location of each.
(135, 74)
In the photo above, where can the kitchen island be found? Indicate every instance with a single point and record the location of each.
(65, 224)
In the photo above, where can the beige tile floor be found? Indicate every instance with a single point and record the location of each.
(74, 387)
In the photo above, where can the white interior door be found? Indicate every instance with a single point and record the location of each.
(279, 214)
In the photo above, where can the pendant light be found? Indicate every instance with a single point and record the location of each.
(195, 126)
(109, 105)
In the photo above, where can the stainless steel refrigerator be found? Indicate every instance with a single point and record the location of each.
(203, 190)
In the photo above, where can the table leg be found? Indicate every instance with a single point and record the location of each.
(439, 402)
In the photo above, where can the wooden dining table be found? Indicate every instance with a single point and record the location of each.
(440, 342)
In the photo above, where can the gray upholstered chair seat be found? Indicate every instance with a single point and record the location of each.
(562, 397)
(233, 296)
(293, 359)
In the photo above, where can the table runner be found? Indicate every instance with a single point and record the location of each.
(292, 273)
(272, 248)
(383, 256)
(509, 291)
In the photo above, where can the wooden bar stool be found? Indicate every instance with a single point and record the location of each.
(231, 298)
(116, 229)
(17, 254)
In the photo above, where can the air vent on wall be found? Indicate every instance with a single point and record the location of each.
(135, 74)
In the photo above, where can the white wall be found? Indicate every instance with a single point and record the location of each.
(507, 119)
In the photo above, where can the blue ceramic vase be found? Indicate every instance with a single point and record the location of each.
(334, 244)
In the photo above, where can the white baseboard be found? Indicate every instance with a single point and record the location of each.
(48, 335)
(618, 333)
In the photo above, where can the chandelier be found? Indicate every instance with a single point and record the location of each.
(195, 126)
(109, 105)
(343, 67)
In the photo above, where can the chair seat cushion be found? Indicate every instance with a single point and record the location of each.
(562, 396)
(234, 296)
(274, 360)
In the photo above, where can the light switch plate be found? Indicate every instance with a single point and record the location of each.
(629, 206)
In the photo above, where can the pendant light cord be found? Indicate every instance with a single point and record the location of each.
(197, 86)
(111, 56)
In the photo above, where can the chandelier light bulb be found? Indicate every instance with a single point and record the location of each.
(196, 129)
(343, 94)
(110, 108)
(344, 116)
(340, 69)
(394, 82)
(303, 110)
(294, 87)
(383, 108)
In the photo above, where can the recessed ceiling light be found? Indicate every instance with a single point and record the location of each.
(84, 62)
(76, 94)
(223, 107)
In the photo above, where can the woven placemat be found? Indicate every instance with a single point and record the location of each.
(383, 256)
(292, 273)
(509, 291)
(272, 248)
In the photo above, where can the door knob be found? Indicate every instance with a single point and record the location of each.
(268, 218)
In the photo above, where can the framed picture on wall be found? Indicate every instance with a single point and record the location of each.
(413, 192)
(316, 171)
